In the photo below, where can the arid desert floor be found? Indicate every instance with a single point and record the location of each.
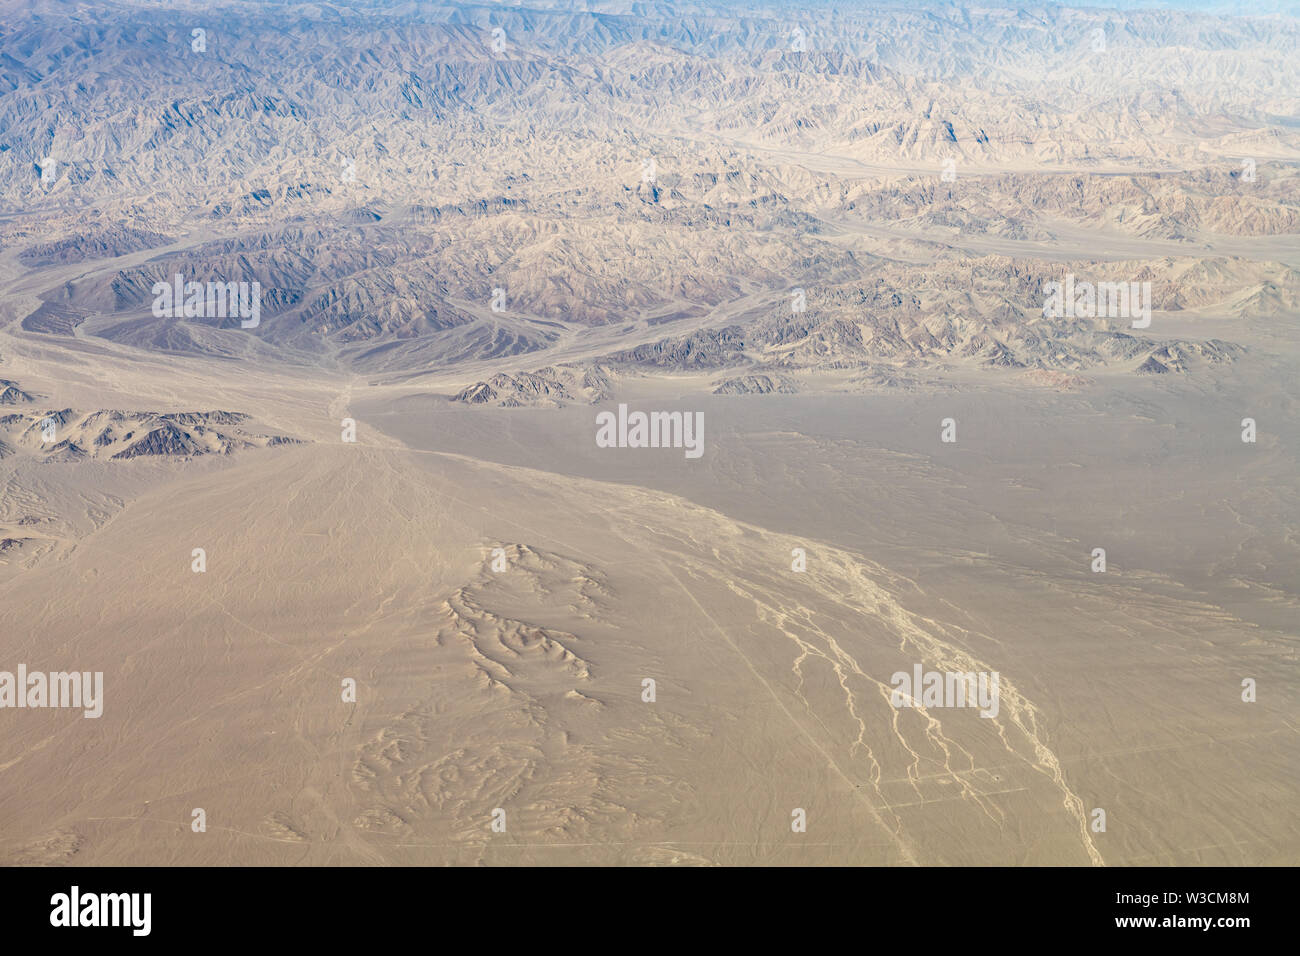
(365, 585)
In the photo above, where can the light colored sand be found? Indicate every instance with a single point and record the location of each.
(522, 690)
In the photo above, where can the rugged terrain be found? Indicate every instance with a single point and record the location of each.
(830, 230)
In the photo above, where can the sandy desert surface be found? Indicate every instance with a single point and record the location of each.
(430, 601)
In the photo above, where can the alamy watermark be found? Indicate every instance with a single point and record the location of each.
(946, 689)
(54, 689)
(651, 430)
(1087, 300)
(217, 300)
(75, 908)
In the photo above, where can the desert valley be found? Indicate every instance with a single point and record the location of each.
(543, 434)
